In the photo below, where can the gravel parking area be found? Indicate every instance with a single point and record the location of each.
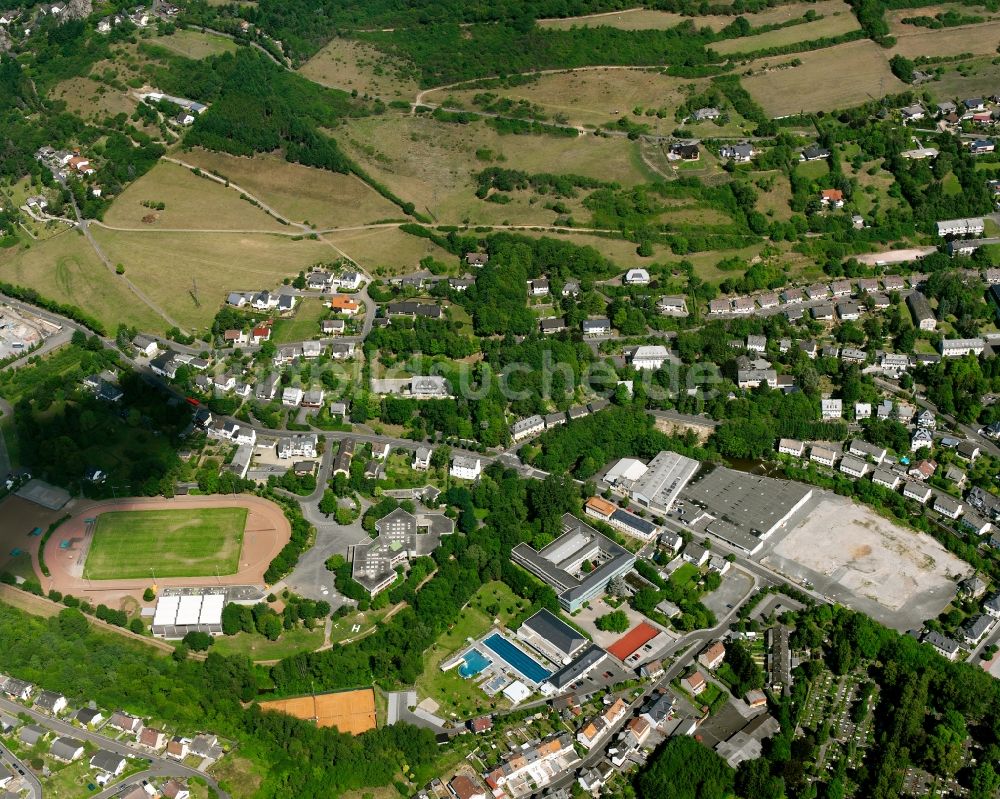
(868, 563)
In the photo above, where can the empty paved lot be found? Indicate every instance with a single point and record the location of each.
(866, 562)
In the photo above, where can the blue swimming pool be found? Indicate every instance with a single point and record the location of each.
(475, 662)
(517, 658)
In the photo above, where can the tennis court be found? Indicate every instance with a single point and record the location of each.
(349, 711)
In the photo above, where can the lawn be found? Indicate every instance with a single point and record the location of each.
(257, 647)
(172, 543)
(684, 575)
(812, 169)
(195, 44)
(304, 325)
(458, 697)
(192, 202)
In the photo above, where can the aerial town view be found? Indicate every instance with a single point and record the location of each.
(535, 398)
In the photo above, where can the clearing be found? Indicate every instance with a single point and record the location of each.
(593, 97)
(345, 64)
(432, 164)
(195, 44)
(175, 543)
(92, 99)
(834, 25)
(317, 197)
(192, 202)
(256, 647)
(783, 90)
(66, 268)
(896, 575)
(217, 262)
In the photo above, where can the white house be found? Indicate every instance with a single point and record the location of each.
(636, 277)
(466, 468)
(832, 408)
(649, 357)
(292, 397)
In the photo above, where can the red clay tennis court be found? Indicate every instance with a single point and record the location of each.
(639, 635)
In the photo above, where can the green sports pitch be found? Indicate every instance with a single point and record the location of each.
(168, 543)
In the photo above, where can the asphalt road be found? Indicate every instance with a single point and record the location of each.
(28, 777)
(162, 766)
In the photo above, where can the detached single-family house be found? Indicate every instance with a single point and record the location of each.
(636, 277)
(791, 446)
(831, 198)
(50, 702)
(739, 153)
(832, 408)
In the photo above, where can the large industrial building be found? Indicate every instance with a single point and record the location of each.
(578, 564)
(744, 509)
(655, 485)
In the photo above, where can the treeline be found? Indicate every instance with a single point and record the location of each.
(298, 758)
(31, 296)
(304, 27)
(500, 179)
(449, 53)
(302, 533)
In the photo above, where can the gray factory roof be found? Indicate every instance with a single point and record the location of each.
(749, 503)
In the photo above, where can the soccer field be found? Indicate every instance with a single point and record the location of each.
(168, 543)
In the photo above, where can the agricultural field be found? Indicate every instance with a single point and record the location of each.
(349, 65)
(387, 251)
(808, 87)
(208, 264)
(646, 19)
(432, 164)
(302, 194)
(834, 25)
(65, 268)
(977, 39)
(176, 543)
(195, 44)
(192, 203)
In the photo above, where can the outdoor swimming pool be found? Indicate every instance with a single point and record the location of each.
(517, 659)
(475, 662)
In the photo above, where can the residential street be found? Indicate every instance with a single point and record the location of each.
(162, 766)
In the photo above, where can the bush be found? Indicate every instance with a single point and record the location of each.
(148, 595)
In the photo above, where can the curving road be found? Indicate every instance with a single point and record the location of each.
(160, 766)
